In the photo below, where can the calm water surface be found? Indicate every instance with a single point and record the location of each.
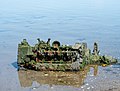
(68, 21)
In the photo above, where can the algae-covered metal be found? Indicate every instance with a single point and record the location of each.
(44, 56)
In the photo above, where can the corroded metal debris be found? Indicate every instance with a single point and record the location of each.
(57, 57)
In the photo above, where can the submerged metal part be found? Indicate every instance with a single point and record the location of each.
(57, 57)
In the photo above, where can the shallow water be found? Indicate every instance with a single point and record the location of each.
(68, 21)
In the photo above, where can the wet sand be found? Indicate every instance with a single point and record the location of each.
(107, 79)
(68, 22)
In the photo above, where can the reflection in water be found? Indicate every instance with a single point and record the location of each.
(75, 79)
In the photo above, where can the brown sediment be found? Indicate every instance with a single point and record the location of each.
(75, 79)
(99, 81)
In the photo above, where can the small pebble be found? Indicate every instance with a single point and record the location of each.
(88, 88)
(51, 87)
(87, 84)
(34, 88)
(82, 87)
(46, 74)
(91, 75)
